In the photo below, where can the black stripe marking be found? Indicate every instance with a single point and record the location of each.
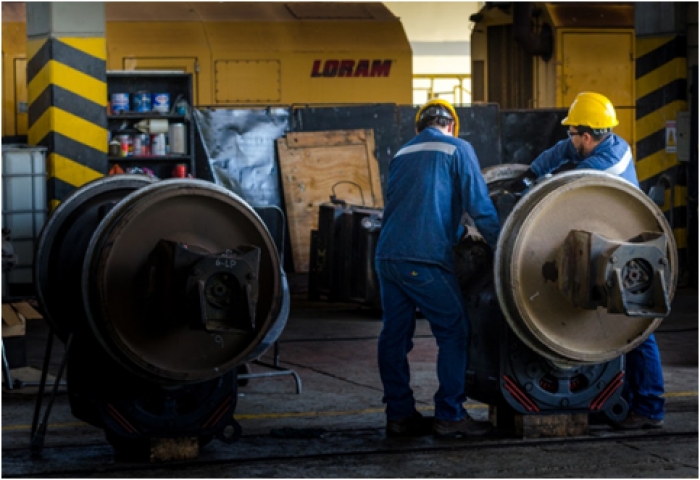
(676, 90)
(675, 48)
(680, 217)
(57, 189)
(651, 144)
(54, 49)
(76, 151)
(56, 96)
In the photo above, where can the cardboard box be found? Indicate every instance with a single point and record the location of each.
(14, 318)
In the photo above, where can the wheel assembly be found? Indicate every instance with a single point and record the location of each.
(584, 271)
(586, 267)
(164, 289)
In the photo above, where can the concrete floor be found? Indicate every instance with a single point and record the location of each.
(333, 349)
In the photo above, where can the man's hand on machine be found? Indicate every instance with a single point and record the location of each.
(523, 182)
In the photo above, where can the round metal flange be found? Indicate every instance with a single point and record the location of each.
(498, 174)
(526, 256)
(62, 245)
(203, 216)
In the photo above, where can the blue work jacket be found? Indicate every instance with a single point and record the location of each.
(612, 155)
(433, 179)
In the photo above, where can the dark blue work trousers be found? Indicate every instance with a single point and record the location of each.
(435, 291)
(644, 380)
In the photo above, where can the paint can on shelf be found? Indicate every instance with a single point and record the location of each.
(141, 144)
(161, 102)
(114, 148)
(120, 102)
(158, 144)
(142, 101)
(125, 145)
(178, 138)
(180, 170)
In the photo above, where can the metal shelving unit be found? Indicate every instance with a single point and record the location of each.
(179, 86)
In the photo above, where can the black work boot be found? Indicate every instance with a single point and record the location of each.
(466, 427)
(414, 426)
(634, 421)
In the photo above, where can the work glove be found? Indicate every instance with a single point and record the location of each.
(523, 182)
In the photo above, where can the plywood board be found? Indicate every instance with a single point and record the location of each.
(314, 165)
(13, 323)
(27, 310)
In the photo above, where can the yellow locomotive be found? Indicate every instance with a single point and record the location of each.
(240, 53)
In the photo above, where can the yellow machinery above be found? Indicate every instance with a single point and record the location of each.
(241, 53)
(560, 50)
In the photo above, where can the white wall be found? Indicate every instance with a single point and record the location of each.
(439, 34)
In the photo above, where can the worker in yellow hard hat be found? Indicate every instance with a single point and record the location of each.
(433, 179)
(591, 144)
(438, 107)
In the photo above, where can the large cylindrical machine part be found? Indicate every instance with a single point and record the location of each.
(535, 242)
(584, 270)
(164, 288)
(154, 340)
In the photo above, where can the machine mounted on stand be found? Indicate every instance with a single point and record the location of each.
(584, 271)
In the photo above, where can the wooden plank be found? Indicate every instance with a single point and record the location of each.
(551, 425)
(27, 310)
(9, 316)
(316, 165)
(13, 323)
(539, 425)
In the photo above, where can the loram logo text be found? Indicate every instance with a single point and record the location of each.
(351, 68)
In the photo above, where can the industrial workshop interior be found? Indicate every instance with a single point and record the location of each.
(350, 240)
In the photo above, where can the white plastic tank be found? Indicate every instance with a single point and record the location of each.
(24, 206)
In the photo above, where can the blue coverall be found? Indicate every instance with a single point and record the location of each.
(433, 179)
(644, 381)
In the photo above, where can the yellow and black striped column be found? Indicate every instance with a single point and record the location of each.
(67, 94)
(662, 91)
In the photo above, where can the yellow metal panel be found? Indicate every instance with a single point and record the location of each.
(56, 73)
(183, 64)
(307, 36)
(14, 38)
(71, 171)
(654, 164)
(599, 61)
(95, 46)
(602, 61)
(34, 45)
(159, 45)
(645, 45)
(665, 74)
(656, 120)
(20, 107)
(390, 83)
(57, 120)
(626, 127)
(247, 81)
(298, 45)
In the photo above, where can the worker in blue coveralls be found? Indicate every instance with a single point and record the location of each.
(433, 179)
(592, 145)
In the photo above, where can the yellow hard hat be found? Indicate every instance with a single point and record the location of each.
(443, 103)
(591, 110)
